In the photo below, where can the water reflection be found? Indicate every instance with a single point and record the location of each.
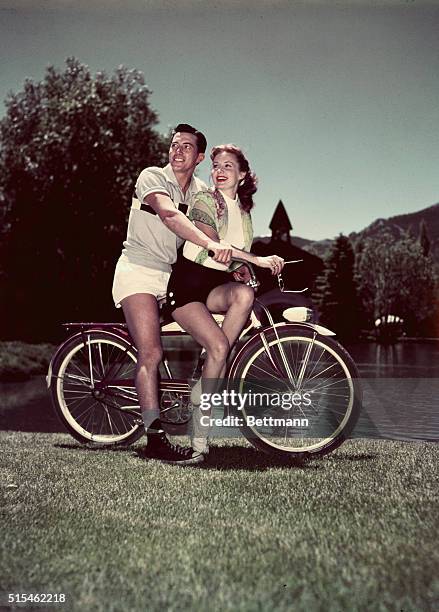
(401, 390)
(404, 359)
(400, 383)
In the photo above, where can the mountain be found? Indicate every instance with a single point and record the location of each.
(296, 240)
(395, 225)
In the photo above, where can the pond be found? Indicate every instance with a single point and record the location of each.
(401, 390)
(400, 383)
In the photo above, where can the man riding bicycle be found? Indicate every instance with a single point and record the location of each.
(157, 226)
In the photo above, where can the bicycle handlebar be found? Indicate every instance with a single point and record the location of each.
(253, 282)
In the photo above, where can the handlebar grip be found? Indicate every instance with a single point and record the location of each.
(253, 282)
(238, 259)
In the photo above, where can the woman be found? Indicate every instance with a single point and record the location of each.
(199, 285)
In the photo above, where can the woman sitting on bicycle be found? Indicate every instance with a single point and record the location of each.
(199, 285)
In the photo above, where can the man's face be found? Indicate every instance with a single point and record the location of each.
(183, 152)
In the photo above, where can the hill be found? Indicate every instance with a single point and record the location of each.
(396, 225)
(302, 243)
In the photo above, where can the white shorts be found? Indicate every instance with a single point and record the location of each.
(131, 278)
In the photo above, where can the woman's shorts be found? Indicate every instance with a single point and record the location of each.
(131, 278)
(192, 282)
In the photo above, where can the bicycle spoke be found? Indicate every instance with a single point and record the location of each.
(319, 378)
(98, 412)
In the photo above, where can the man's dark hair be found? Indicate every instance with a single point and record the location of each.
(189, 129)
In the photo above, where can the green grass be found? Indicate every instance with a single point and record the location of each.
(355, 531)
(20, 360)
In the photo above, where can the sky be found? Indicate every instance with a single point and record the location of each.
(336, 104)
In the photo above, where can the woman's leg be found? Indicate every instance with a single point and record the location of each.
(236, 300)
(196, 319)
(199, 323)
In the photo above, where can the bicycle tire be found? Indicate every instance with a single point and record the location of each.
(88, 416)
(329, 377)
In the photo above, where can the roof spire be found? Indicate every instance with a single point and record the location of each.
(280, 224)
(280, 220)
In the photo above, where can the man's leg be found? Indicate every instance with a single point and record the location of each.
(142, 317)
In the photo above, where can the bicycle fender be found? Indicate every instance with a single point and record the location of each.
(68, 340)
(318, 329)
(324, 331)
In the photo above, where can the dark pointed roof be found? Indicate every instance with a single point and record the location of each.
(280, 218)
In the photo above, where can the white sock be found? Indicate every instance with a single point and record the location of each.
(196, 393)
(149, 416)
(199, 433)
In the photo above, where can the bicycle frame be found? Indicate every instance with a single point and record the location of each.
(91, 379)
(176, 391)
(126, 388)
(120, 331)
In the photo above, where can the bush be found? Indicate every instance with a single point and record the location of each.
(19, 361)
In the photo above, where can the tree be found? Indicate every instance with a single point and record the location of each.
(396, 279)
(339, 305)
(71, 147)
(424, 239)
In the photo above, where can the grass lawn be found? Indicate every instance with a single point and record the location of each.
(354, 531)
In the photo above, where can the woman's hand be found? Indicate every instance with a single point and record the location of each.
(242, 274)
(273, 262)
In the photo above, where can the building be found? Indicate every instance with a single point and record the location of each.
(296, 276)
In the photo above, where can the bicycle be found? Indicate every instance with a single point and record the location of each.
(307, 385)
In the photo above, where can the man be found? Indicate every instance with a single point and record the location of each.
(157, 226)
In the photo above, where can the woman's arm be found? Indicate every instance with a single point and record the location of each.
(273, 262)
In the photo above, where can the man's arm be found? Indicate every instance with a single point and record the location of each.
(180, 225)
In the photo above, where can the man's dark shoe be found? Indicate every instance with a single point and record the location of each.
(160, 448)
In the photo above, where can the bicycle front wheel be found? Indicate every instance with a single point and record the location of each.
(299, 392)
(93, 389)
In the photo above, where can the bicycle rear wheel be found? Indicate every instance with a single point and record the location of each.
(93, 384)
(303, 393)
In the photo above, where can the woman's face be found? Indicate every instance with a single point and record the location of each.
(225, 171)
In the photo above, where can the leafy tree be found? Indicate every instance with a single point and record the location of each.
(71, 148)
(339, 305)
(424, 239)
(396, 279)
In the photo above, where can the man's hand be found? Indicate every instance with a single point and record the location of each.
(222, 253)
(273, 262)
(242, 274)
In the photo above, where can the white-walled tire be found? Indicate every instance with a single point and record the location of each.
(318, 370)
(91, 412)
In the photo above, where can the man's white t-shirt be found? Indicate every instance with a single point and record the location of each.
(149, 242)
